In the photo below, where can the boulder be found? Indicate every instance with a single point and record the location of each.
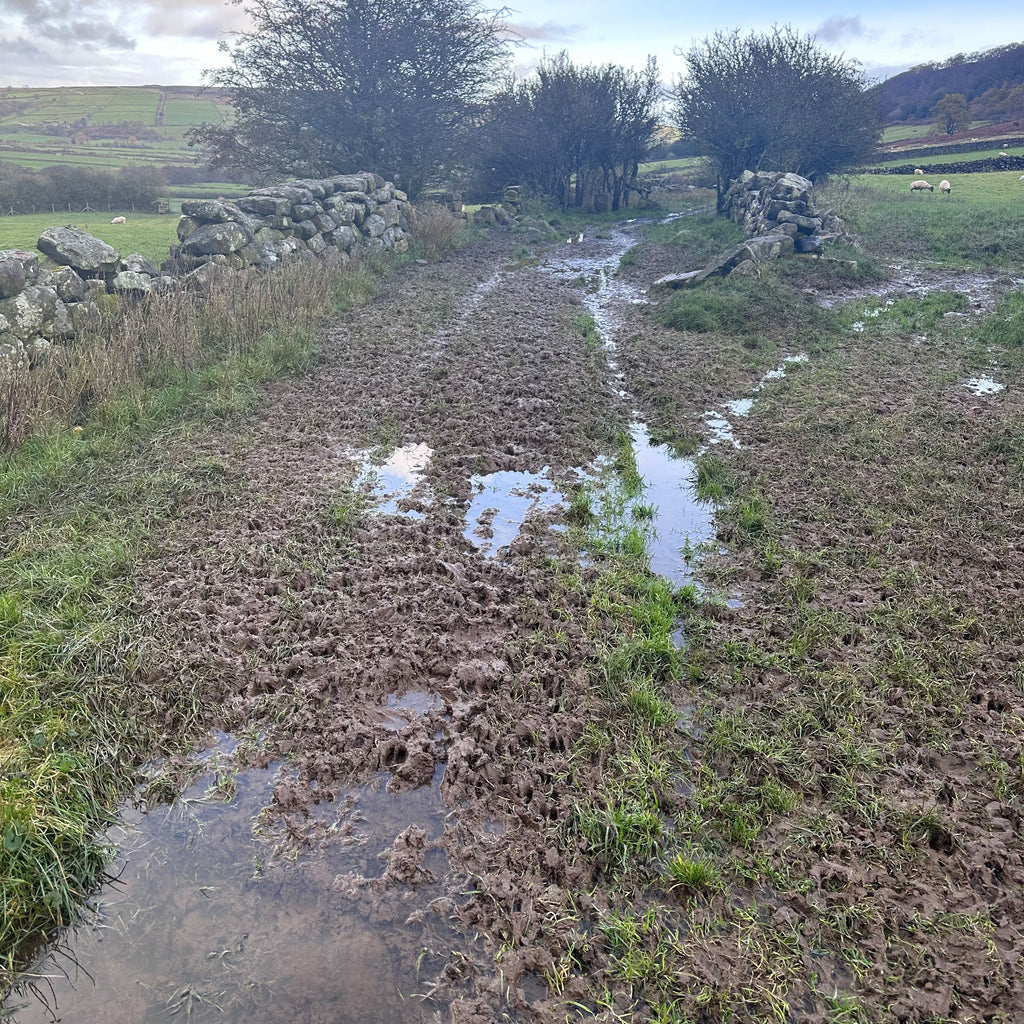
(687, 280)
(68, 285)
(72, 247)
(137, 263)
(216, 239)
(265, 206)
(30, 311)
(211, 210)
(132, 283)
(768, 247)
(391, 212)
(12, 278)
(28, 260)
(374, 225)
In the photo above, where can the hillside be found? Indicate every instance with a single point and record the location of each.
(992, 82)
(107, 126)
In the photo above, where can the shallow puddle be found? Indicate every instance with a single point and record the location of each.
(395, 480)
(501, 504)
(984, 386)
(204, 923)
(680, 522)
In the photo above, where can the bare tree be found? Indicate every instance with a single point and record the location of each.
(570, 130)
(774, 101)
(335, 86)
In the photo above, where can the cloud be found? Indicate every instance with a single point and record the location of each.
(549, 32)
(87, 24)
(838, 29)
(198, 19)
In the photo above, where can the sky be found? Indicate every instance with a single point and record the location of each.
(172, 42)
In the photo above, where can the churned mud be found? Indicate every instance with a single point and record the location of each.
(370, 600)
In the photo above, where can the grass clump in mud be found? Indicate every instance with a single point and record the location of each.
(83, 698)
(745, 306)
(695, 238)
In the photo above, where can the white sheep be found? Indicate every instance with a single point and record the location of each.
(920, 185)
(918, 171)
(119, 220)
(944, 186)
(1001, 153)
(1021, 178)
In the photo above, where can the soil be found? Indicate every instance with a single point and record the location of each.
(307, 624)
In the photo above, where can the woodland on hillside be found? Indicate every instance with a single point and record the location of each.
(992, 82)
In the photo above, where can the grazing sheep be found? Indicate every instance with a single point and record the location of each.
(944, 186)
(1021, 178)
(920, 185)
(119, 220)
(1001, 153)
(918, 171)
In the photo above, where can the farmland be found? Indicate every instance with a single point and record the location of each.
(43, 127)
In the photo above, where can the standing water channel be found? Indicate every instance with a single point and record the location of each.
(205, 919)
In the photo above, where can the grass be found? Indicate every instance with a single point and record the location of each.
(150, 234)
(743, 306)
(978, 224)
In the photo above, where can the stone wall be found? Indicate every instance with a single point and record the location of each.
(777, 213)
(54, 295)
(771, 202)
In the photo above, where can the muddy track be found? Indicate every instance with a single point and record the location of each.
(346, 657)
(375, 827)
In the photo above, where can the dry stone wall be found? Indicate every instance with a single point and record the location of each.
(59, 292)
(777, 213)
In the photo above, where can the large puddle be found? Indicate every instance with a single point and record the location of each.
(205, 922)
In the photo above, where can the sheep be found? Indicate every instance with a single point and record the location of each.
(1001, 153)
(920, 185)
(918, 171)
(1021, 178)
(944, 186)
(119, 220)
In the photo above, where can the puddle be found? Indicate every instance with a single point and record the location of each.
(719, 423)
(204, 924)
(501, 504)
(984, 386)
(680, 522)
(982, 290)
(396, 480)
(407, 707)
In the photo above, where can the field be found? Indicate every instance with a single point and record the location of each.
(532, 643)
(147, 233)
(168, 112)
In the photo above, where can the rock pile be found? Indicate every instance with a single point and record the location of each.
(273, 223)
(62, 296)
(777, 214)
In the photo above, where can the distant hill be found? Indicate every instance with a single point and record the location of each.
(107, 127)
(992, 82)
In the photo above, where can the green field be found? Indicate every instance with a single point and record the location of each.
(944, 158)
(147, 233)
(25, 114)
(977, 223)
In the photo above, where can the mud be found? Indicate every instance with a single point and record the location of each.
(372, 605)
